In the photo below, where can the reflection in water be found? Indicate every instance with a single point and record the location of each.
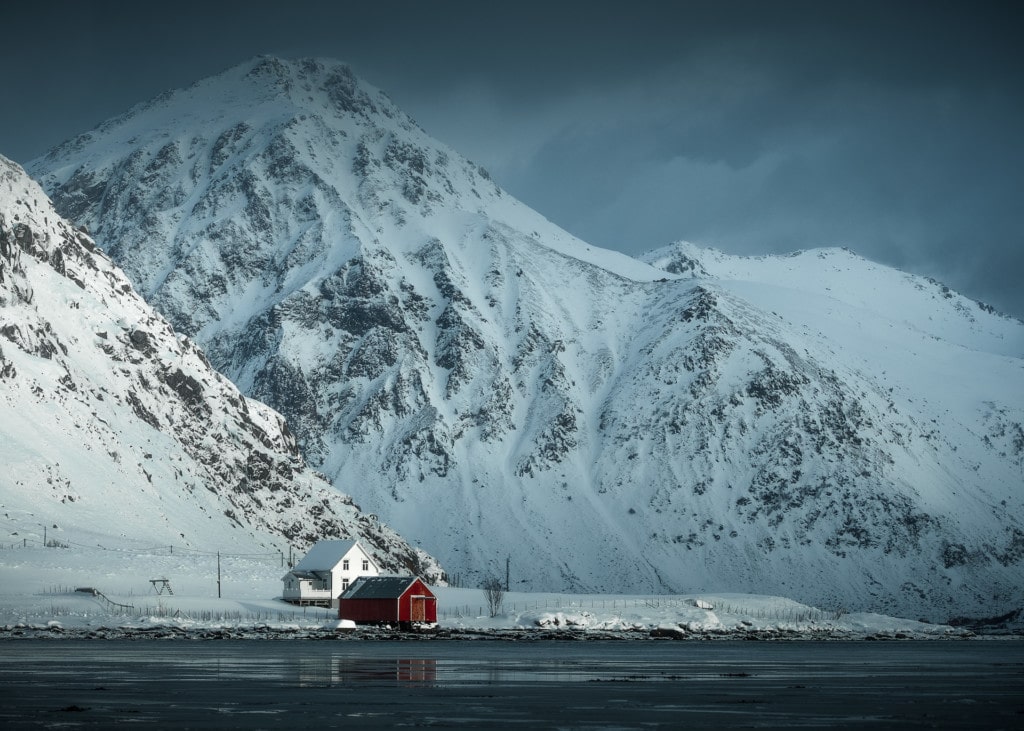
(634, 684)
(331, 670)
(500, 671)
(328, 671)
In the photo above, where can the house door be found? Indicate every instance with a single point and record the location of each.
(418, 609)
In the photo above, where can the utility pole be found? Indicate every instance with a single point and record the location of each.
(508, 561)
(44, 536)
(218, 574)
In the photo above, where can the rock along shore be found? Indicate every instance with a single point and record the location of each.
(55, 631)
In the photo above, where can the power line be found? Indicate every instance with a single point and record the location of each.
(164, 548)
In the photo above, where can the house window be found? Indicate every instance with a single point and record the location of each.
(366, 565)
(344, 565)
(344, 584)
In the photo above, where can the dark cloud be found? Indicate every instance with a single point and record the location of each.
(907, 177)
(890, 128)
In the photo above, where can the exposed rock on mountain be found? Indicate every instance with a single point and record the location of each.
(114, 423)
(816, 426)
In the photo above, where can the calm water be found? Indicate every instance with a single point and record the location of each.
(472, 684)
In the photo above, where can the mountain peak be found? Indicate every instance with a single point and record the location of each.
(495, 386)
(840, 275)
(261, 89)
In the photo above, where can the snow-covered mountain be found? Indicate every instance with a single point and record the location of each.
(114, 424)
(814, 426)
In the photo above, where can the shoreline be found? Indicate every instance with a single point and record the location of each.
(55, 631)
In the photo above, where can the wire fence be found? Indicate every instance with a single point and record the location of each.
(466, 610)
(168, 610)
(798, 614)
(153, 550)
(306, 616)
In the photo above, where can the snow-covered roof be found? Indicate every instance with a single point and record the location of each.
(324, 555)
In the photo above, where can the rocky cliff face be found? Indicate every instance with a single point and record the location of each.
(815, 426)
(115, 423)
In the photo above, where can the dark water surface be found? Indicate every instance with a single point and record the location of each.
(483, 683)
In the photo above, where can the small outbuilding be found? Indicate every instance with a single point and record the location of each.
(401, 600)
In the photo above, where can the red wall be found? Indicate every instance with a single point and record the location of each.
(369, 610)
(389, 610)
(418, 588)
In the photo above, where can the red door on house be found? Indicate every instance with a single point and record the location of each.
(418, 609)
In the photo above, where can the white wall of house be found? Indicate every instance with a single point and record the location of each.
(339, 562)
(353, 564)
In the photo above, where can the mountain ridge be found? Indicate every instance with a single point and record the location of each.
(114, 422)
(496, 387)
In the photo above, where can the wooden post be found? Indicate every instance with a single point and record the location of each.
(218, 574)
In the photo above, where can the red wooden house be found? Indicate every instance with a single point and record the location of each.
(402, 600)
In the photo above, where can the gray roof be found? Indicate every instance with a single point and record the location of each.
(324, 556)
(378, 587)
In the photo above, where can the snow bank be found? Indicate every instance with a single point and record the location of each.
(682, 615)
(84, 582)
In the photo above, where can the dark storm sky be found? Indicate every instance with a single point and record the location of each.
(893, 128)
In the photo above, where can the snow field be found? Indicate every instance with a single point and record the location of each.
(41, 585)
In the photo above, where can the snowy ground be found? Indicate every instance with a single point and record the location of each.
(40, 585)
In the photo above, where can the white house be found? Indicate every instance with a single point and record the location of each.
(326, 571)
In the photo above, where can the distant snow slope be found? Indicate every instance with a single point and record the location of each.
(814, 426)
(37, 589)
(113, 423)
